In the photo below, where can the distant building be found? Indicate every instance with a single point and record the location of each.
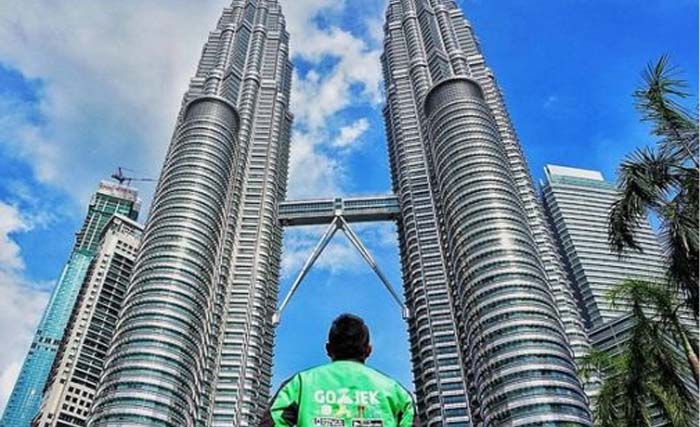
(24, 402)
(73, 381)
(577, 203)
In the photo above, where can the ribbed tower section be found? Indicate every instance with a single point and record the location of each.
(473, 235)
(194, 343)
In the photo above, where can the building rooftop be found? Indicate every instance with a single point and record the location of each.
(565, 171)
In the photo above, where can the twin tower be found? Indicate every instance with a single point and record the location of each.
(494, 330)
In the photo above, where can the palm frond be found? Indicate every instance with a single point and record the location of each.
(680, 237)
(658, 101)
(674, 407)
(646, 179)
(607, 405)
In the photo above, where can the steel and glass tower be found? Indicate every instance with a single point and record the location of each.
(194, 343)
(493, 323)
(494, 319)
(110, 199)
(578, 204)
(73, 381)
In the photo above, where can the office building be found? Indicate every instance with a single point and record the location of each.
(78, 367)
(475, 248)
(194, 345)
(23, 405)
(494, 326)
(578, 203)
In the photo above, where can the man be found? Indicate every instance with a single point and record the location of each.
(345, 392)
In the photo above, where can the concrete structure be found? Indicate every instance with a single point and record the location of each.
(24, 402)
(495, 317)
(78, 367)
(493, 322)
(194, 346)
(578, 203)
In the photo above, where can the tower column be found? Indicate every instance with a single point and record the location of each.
(523, 368)
(155, 372)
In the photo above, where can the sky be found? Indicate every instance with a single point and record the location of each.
(90, 85)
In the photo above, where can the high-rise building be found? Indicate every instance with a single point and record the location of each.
(194, 344)
(73, 381)
(494, 327)
(495, 319)
(23, 405)
(578, 203)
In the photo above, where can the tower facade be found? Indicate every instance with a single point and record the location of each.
(24, 402)
(578, 204)
(495, 322)
(73, 381)
(194, 343)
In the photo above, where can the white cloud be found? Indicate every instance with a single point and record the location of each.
(112, 73)
(321, 94)
(550, 102)
(349, 135)
(10, 222)
(313, 174)
(340, 256)
(21, 302)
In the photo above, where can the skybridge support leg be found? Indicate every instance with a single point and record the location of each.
(355, 240)
(327, 236)
(339, 223)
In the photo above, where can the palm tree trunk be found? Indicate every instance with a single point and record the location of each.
(690, 354)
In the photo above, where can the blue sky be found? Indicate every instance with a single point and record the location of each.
(86, 84)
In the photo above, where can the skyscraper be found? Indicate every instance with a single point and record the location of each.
(494, 320)
(23, 405)
(73, 381)
(494, 327)
(194, 345)
(578, 204)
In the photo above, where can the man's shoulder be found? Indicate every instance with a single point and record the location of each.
(387, 380)
(379, 378)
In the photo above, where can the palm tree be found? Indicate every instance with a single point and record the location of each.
(648, 369)
(665, 308)
(663, 180)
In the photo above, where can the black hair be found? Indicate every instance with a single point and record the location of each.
(348, 338)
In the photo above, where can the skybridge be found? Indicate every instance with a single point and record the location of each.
(338, 213)
(353, 209)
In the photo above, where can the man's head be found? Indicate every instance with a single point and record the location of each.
(348, 339)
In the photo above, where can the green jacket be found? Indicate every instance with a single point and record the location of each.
(341, 394)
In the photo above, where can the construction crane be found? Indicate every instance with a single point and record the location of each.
(121, 178)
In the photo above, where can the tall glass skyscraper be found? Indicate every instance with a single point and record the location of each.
(23, 405)
(578, 204)
(194, 344)
(495, 320)
(494, 327)
(73, 381)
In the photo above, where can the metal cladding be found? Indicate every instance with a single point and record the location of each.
(25, 400)
(194, 343)
(511, 324)
(493, 326)
(577, 204)
(156, 370)
(475, 247)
